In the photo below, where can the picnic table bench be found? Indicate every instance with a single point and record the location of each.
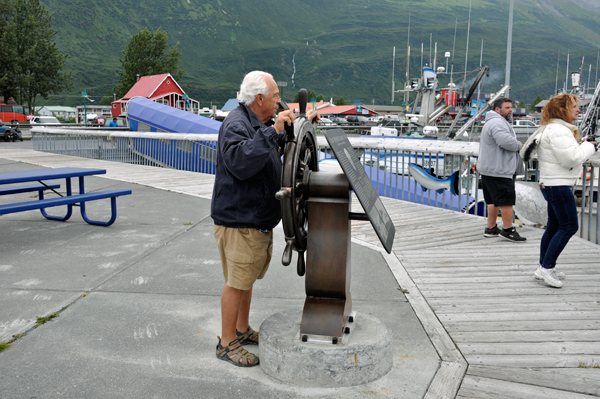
(70, 199)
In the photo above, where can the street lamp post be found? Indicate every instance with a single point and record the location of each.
(282, 85)
(84, 95)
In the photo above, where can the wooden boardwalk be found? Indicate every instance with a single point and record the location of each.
(500, 333)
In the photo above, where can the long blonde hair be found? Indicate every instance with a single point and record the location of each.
(559, 107)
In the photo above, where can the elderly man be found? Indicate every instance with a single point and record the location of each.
(498, 164)
(244, 207)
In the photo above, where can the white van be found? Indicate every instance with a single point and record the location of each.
(44, 120)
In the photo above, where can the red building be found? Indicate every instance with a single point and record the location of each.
(162, 89)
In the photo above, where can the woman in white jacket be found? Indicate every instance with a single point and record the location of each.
(560, 157)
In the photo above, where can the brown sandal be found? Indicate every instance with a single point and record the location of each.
(236, 355)
(250, 337)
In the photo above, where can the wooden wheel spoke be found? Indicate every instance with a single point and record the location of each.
(298, 163)
(307, 157)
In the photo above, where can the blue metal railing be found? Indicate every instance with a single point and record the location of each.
(385, 159)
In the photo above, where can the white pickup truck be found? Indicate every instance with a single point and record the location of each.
(524, 128)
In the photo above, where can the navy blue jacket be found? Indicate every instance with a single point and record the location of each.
(248, 172)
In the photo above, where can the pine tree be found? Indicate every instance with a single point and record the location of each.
(535, 102)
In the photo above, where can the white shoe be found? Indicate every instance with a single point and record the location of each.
(560, 275)
(549, 276)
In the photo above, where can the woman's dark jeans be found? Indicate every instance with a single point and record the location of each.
(562, 223)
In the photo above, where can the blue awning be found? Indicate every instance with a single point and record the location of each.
(169, 119)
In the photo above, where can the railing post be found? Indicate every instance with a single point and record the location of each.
(583, 187)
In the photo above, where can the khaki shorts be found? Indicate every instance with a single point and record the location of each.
(245, 255)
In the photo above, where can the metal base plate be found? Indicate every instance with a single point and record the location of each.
(328, 340)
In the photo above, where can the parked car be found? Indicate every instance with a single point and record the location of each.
(339, 120)
(356, 120)
(391, 123)
(44, 120)
(326, 122)
(4, 131)
(524, 128)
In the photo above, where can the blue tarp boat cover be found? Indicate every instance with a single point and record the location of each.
(169, 119)
(231, 104)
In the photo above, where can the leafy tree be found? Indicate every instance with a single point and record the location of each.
(339, 101)
(8, 51)
(320, 98)
(31, 64)
(522, 104)
(537, 100)
(310, 93)
(147, 54)
(106, 100)
(41, 63)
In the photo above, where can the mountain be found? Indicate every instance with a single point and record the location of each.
(332, 47)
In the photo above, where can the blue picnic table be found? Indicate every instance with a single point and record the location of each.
(8, 181)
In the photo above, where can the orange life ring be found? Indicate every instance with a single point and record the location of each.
(473, 168)
(589, 174)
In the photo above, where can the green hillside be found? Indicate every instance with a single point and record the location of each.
(338, 48)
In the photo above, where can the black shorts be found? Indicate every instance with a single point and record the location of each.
(498, 191)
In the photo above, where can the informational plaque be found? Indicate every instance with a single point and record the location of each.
(362, 186)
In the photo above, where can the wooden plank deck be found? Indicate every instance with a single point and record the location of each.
(500, 333)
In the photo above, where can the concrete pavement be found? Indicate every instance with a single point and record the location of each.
(139, 304)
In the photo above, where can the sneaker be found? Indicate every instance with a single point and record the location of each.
(549, 276)
(512, 235)
(560, 275)
(493, 232)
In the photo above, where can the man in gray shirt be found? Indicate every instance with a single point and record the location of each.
(498, 163)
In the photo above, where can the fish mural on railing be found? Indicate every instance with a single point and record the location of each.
(429, 181)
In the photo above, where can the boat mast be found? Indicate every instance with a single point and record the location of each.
(467, 50)
(589, 77)
(421, 61)
(454, 46)
(479, 86)
(580, 72)
(393, 64)
(567, 74)
(430, 38)
(557, 63)
(509, 47)
(406, 95)
(598, 56)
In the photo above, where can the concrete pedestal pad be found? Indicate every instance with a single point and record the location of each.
(367, 357)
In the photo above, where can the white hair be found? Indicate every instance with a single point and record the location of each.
(254, 83)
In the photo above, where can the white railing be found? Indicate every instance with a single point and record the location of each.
(385, 158)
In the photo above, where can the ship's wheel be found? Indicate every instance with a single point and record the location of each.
(299, 160)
